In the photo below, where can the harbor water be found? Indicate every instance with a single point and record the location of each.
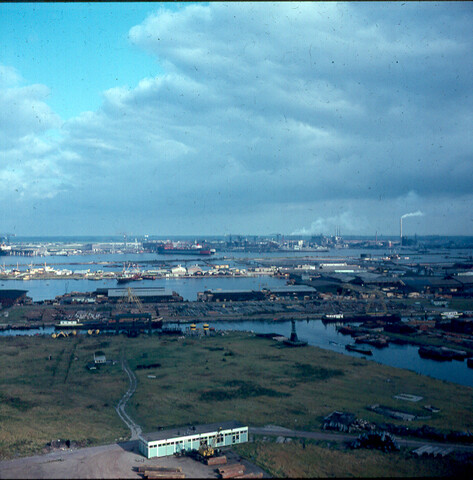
(315, 332)
(187, 287)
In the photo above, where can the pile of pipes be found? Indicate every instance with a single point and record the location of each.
(157, 472)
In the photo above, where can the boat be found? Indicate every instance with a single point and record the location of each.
(125, 278)
(5, 249)
(66, 324)
(348, 330)
(436, 353)
(332, 318)
(128, 275)
(356, 348)
(169, 249)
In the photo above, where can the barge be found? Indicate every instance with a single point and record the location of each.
(356, 348)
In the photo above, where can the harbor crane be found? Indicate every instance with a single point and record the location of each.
(7, 237)
(132, 298)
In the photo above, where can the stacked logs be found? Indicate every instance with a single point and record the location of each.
(231, 471)
(222, 460)
(237, 470)
(156, 472)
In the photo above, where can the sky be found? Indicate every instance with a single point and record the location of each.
(238, 118)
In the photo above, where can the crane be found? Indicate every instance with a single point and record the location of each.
(132, 298)
(7, 236)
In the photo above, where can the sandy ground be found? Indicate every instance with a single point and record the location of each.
(108, 461)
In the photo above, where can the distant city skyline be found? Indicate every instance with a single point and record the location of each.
(211, 119)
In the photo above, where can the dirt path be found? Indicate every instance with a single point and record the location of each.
(120, 408)
(273, 430)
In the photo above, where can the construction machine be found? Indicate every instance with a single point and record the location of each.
(208, 449)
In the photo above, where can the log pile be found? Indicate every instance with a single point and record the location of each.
(231, 471)
(250, 475)
(157, 468)
(154, 472)
(154, 475)
(217, 460)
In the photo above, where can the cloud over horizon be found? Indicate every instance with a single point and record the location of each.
(289, 117)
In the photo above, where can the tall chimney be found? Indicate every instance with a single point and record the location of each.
(401, 231)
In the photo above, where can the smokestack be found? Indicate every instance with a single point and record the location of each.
(414, 214)
(401, 231)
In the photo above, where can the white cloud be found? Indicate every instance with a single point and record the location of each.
(9, 76)
(24, 110)
(262, 110)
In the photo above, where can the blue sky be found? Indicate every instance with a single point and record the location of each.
(219, 118)
(77, 49)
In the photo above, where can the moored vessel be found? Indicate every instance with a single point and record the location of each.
(356, 348)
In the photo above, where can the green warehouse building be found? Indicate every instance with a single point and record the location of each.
(168, 442)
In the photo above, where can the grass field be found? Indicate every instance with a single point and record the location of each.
(42, 400)
(258, 381)
(314, 460)
(199, 380)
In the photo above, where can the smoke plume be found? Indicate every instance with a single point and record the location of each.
(414, 214)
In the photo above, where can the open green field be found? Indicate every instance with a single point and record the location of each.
(316, 459)
(198, 380)
(258, 381)
(42, 400)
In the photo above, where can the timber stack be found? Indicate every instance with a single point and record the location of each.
(156, 472)
(222, 460)
(231, 471)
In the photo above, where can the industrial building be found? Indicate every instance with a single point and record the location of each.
(168, 442)
(294, 291)
(99, 357)
(145, 294)
(10, 297)
(230, 295)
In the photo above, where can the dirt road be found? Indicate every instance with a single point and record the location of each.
(120, 408)
(273, 430)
